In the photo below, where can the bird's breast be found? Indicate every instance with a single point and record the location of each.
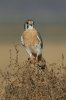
(30, 37)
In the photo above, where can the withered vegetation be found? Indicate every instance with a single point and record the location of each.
(30, 82)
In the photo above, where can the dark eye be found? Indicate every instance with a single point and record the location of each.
(27, 26)
(31, 24)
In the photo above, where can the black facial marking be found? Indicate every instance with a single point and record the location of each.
(27, 26)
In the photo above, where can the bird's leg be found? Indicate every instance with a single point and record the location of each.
(36, 59)
(39, 57)
(33, 59)
(29, 52)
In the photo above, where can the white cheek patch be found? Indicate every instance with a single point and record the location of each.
(30, 27)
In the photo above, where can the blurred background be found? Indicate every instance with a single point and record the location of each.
(50, 19)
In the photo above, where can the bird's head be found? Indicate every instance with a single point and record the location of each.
(29, 24)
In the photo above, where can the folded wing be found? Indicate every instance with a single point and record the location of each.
(40, 39)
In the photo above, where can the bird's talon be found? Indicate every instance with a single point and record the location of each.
(28, 58)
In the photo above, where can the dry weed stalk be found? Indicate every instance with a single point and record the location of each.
(62, 60)
(10, 51)
(29, 82)
(17, 51)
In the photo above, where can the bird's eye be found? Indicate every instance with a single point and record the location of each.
(27, 26)
(31, 24)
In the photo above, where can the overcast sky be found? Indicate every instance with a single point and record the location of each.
(42, 11)
(38, 9)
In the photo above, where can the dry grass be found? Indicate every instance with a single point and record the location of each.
(30, 82)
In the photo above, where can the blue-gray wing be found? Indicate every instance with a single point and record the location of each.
(39, 36)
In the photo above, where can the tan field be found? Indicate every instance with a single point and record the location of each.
(51, 52)
(22, 80)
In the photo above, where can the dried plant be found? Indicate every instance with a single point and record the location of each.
(62, 62)
(30, 82)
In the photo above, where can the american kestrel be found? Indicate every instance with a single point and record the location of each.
(32, 41)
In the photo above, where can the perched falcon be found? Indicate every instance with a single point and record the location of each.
(32, 41)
